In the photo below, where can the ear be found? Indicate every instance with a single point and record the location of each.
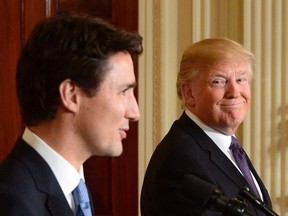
(187, 95)
(69, 94)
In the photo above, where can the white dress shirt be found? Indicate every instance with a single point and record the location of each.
(66, 175)
(221, 140)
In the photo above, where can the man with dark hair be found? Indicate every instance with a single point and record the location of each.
(75, 82)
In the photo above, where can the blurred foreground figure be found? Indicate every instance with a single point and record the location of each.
(75, 82)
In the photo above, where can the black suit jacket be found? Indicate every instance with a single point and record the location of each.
(28, 186)
(186, 149)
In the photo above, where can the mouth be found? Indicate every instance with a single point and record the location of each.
(232, 105)
(123, 132)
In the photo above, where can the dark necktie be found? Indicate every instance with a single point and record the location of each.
(241, 162)
(81, 199)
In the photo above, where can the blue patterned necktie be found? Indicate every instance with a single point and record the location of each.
(81, 199)
(241, 162)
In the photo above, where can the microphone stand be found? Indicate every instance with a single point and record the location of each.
(228, 207)
(245, 193)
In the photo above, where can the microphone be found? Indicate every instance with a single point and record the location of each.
(205, 194)
(246, 193)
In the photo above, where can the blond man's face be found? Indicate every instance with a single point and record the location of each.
(220, 96)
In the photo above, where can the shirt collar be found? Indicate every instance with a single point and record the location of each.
(66, 175)
(221, 140)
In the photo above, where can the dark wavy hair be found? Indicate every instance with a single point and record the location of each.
(63, 47)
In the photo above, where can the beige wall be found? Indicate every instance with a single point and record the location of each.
(168, 26)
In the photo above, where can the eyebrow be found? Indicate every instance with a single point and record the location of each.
(218, 74)
(131, 85)
(224, 74)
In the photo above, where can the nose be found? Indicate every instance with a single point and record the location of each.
(232, 89)
(133, 113)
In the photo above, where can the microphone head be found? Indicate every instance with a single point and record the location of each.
(208, 196)
(198, 190)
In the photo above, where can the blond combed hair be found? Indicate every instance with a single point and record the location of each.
(207, 53)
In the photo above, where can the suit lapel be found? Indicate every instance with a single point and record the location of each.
(263, 189)
(44, 179)
(216, 155)
(57, 207)
(219, 158)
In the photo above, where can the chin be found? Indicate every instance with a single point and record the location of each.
(116, 154)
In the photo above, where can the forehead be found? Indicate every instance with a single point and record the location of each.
(120, 69)
(227, 68)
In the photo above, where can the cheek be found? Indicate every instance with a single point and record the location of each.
(115, 112)
(246, 91)
(211, 97)
(247, 96)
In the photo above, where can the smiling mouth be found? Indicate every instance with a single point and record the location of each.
(232, 106)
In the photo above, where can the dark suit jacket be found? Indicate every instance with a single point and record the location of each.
(28, 186)
(186, 149)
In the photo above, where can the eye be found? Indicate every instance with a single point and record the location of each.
(242, 80)
(126, 91)
(123, 92)
(218, 83)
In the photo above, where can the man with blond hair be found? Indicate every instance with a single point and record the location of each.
(214, 87)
